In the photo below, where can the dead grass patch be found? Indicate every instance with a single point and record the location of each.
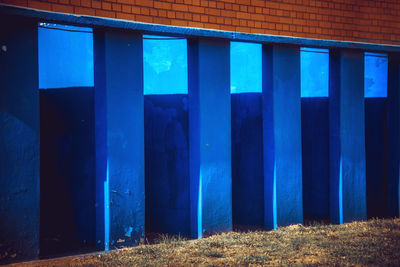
(372, 243)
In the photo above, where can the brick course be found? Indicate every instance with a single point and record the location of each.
(370, 21)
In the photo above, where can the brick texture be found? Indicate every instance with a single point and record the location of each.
(371, 21)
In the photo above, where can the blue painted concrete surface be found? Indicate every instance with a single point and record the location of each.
(119, 126)
(282, 136)
(67, 174)
(315, 153)
(247, 160)
(347, 131)
(375, 74)
(167, 164)
(376, 151)
(393, 135)
(314, 72)
(65, 56)
(19, 140)
(210, 136)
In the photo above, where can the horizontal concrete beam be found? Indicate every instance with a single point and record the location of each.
(148, 28)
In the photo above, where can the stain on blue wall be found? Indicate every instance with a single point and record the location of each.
(315, 152)
(247, 160)
(67, 176)
(376, 150)
(19, 140)
(167, 164)
(65, 56)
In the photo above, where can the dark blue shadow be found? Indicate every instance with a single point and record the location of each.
(376, 148)
(315, 152)
(67, 176)
(247, 160)
(167, 164)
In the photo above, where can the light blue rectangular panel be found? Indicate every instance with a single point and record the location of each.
(375, 74)
(314, 72)
(245, 67)
(65, 56)
(165, 65)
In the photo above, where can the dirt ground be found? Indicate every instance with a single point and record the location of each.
(372, 243)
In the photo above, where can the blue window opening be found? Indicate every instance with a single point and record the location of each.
(246, 62)
(375, 74)
(314, 68)
(165, 65)
(65, 56)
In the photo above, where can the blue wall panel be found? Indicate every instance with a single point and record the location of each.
(247, 160)
(67, 177)
(347, 142)
(282, 136)
(167, 164)
(19, 140)
(393, 135)
(376, 150)
(209, 136)
(315, 152)
(119, 126)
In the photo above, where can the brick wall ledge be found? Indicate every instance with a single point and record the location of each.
(147, 28)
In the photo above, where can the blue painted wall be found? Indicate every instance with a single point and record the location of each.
(315, 153)
(119, 127)
(376, 151)
(282, 136)
(393, 134)
(19, 140)
(67, 176)
(167, 164)
(247, 160)
(347, 131)
(209, 136)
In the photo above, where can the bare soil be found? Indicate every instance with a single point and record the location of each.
(372, 243)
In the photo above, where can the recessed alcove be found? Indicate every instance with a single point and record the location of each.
(67, 145)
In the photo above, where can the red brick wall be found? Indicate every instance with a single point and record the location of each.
(372, 21)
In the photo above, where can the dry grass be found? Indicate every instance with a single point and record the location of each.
(374, 243)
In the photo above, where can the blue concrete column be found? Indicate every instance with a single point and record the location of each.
(393, 99)
(282, 136)
(119, 126)
(209, 136)
(19, 140)
(347, 136)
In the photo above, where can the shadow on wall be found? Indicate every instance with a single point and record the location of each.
(167, 164)
(67, 176)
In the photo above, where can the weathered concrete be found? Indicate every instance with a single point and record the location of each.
(315, 152)
(376, 151)
(282, 136)
(19, 140)
(347, 131)
(167, 164)
(247, 160)
(393, 135)
(209, 136)
(119, 126)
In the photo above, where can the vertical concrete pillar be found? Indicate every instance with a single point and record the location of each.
(19, 139)
(393, 134)
(347, 136)
(209, 136)
(119, 126)
(282, 136)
